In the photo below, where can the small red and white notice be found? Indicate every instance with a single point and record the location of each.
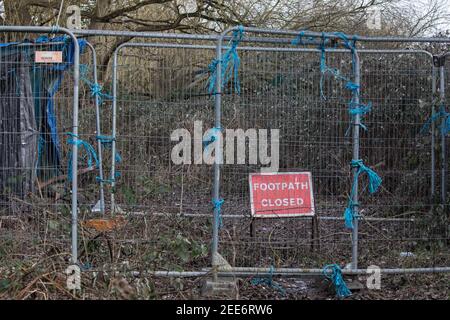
(281, 194)
(48, 57)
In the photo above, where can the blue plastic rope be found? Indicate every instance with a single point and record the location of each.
(374, 184)
(229, 64)
(212, 67)
(354, 108)
(334, 273)
(212, 137)
(109, 181)
(118, 157)
(299, 39)
(351, 86)
(106, 139)
(324, 69)
(218, 206)
(95, 88)
(90, 151)
(349, 214)
(445, 126)
(348, 43)
(358, 109)
(268, 281)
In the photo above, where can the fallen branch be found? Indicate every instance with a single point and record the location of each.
(64, 177)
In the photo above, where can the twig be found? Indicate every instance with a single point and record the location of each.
(65, 177)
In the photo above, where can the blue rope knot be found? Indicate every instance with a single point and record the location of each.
(299, 39)
(218, 207)
(350, 215)
(360, 109)
(374, 183)
(95, 88)
(348, 43)
(268, 281)
(445, 126)
(111, 180)
(334, 273)
(212, 136)
(350, 85)
(97, 92)
(106, 139)
(229, 64)
(374, 179)
(90, 151)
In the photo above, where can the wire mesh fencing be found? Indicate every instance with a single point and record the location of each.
(38, 106)
(313, 137)
(138, 209)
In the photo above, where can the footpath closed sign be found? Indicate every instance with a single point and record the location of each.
(281, 194)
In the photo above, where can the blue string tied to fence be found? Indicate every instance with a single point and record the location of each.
(229, 65)
(107, 142)
(212, 136)
(97, 91)
(374, 184)
(268, 281)
(89, 149)
(299, 39)
(446, 125)
(324, 68)
(350, 85)
(334, 273)
(441, 114)
(231, 60)
(212, 68)
(109, 181)
(348, 43)
(349, 214)
(95, 88)
(218, 208)
(354, 108)
(358, 109)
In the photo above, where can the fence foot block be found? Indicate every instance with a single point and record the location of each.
(221, 287)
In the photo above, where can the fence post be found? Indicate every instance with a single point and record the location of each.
(433, 128)
(356, 127)
(113, 130)
(217, 124)
(443, 132)
(98, 128)
(76, 78)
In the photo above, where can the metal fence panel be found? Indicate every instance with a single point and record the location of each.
(38, 108)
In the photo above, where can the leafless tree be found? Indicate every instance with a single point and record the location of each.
(201, 16)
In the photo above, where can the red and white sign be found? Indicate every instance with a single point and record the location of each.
(48, 57)
(281, 194)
